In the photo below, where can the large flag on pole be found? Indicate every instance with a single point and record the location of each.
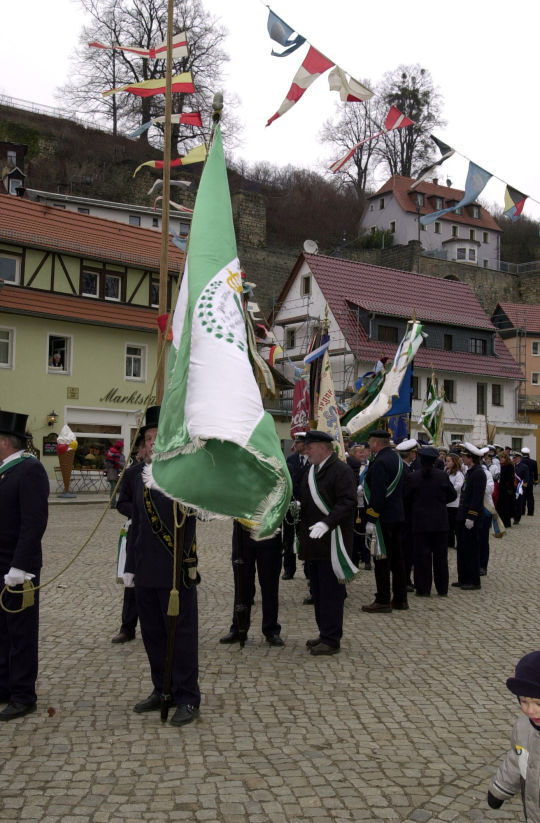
(477, 179)
(431, 416)
(216, 448)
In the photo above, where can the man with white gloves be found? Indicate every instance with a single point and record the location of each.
(24, 492)
(328, 500)
(469, 517)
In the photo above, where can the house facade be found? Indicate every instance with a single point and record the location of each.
(368, 308)
(469, 235)
(78, 324)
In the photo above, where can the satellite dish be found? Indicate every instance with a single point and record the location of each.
(311, 247)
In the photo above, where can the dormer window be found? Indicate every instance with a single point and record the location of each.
(475, 212)
(438, 203)
(459, 210)
(419, 199)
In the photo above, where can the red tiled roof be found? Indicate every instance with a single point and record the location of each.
(398, 294)
(523, 315)
(19, 300)
(400, 187)
(23, 222)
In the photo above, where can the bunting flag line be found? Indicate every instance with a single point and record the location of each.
(300, 408)
(350, 91)
(513, 203)
(216, 449)
(318, 352)
(158, 184)
(477, 179)
(196, 155)
(281, 33)
(181, 84)
(394, 120)
(313, 66)
(446, 153)
(327, 410)
(431, 416)
(382, 402)
(275, 352)
(179, 48)
(187, 118)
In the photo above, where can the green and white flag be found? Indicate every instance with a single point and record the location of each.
(431, 416)
(216, 449)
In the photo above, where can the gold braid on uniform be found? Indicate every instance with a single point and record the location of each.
(190, 575)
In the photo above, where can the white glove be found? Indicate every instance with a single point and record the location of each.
(469, 524)
(16, 577)
(128, 579)
(371, 528)
(318, 530)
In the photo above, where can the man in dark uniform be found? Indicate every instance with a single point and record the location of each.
(328, 501)
(532, 465)
(523, 475)
(408, 451)
(360, 453)
(298, 464)
(149, 567)
(265, 555)
(126, 494)
(24, 492)
(385, 515)
(426, 495)
(469, 518)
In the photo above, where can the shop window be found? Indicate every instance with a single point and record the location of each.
(135, 362)
(7, 348)
(58, 354)
(10, 268)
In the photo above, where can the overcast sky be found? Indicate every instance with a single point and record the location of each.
(483, 57)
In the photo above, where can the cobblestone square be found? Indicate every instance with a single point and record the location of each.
(407, 724)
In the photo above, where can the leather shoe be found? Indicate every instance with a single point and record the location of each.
(308, 601)
(382, 608)
(14, 710)
(231, 637)
(287, 576)
(470, 587)
(151, 704)
(400, 606)
(457, 584)
(324, 648)
(185, 713)
(482, 572)
(274, 640)
(314, 642)
(122, 637)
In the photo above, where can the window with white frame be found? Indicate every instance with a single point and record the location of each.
(536, 348)
(90, 284)
(184, 228)
(393, 226)
(7, 348)
(10, 268)
(134, 220)
(472, 234)
(476, 212)
(113, 287)
(99, 284)
(437, 228)
(459, 210)
(454, 231)
(438, 203)
(58, 354)
(15, 183)
(461, 254)
(12, 157)
(154, 293)
(535, 378)
(135, 364)
(381, 203)
(472, 254)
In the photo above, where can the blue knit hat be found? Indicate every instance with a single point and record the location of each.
(526, 681)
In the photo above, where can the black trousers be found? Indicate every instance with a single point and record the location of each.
(431, 562)
(483, 539)
(19, 635)
(152, 607)
(328, 596)
(265, 557)
(289, 557)
(392, 564)
(468, 554)
(130, 614)
(360, 552)
(452, 512)
(529, 499)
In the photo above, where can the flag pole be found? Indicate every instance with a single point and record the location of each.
(164, 259)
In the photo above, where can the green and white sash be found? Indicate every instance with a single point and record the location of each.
(342, 565)
(390, 490)
(11, 463)
(121, 556)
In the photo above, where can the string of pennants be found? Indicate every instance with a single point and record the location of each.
(351, 91)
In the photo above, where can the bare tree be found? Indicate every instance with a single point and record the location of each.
(143, 23)
(411, 90)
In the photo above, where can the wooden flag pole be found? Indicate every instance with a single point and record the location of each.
(164, 259)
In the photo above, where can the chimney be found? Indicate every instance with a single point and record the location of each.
(435, 181)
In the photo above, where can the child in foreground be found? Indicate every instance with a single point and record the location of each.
(521, 767)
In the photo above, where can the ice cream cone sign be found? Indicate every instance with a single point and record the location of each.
(66, 446)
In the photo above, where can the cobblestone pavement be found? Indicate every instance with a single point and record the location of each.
(406, 724)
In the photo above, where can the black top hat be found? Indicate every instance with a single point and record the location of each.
(13, 423)
(151, 419)
(318, 437)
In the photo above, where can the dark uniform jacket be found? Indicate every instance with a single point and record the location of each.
(522, 471)
(24, 496)
(126, 493)
(297, 470)
(533, 468)
(146, 556)
(337, 487)
(471, 500)
(379, 476)
(426, 498)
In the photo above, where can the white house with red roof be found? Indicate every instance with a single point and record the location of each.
(468, 235)
(368, 309)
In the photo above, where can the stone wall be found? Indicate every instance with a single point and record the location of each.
(249, 215)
